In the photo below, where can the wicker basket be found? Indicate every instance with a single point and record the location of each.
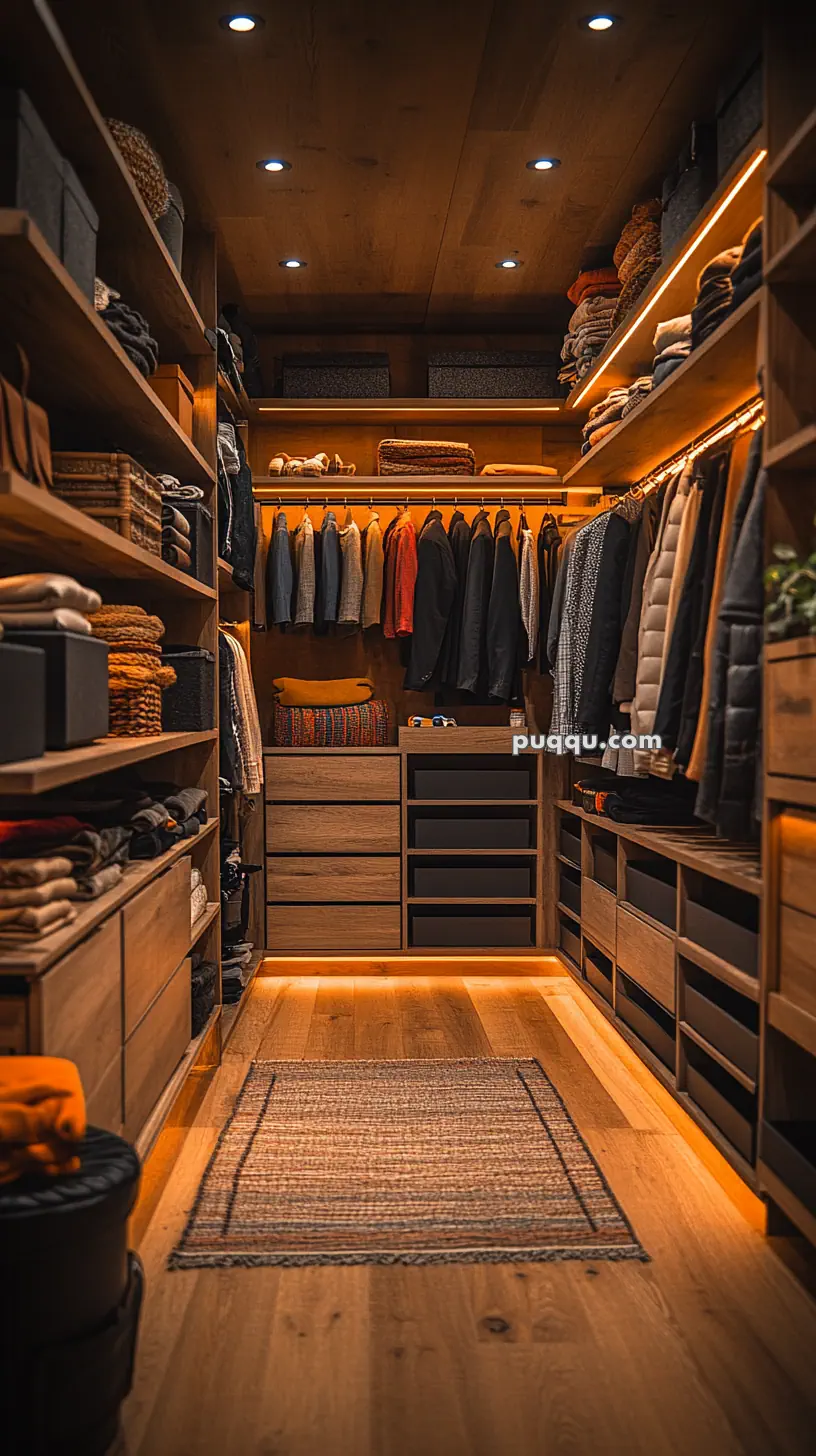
(115, 490)
(136, 714)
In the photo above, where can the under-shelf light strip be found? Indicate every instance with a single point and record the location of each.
(421, 406)
(672, 274)
(750, 416)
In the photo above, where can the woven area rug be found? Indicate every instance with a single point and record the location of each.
(401, 1162)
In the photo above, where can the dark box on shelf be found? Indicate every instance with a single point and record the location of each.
(722, 1030)
(598, 971)
(475, 931)
(569, 893)
(463, 783)
(688, 186)
(76, 685)
(729, 1106)
(486, 374)
(789, 1149)
(336, 376)
(569, 939)
(202, 565)
(644, 1016)
(444, 833)
(189, 705)
(494, 881)
(651, 894)
(80, 225)
(31, 167)
(739, 110)
(605, 863)
(569, 844)
(22, 702)
(737, 944)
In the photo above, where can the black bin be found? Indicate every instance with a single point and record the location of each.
(726, 922)
(22, 702)
(459, 783)
(31, 167)
(201, 538)
(647, 1018)
(569, 939)
(188, 706)
(651, 886)
(76, 685)
(470, 833)
(471, 929)
(789, 1149)
(598, 970)
(724, 1100)
(728, 1021)
(472, 881)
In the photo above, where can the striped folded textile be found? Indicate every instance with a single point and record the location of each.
(363, 726)
(425, 457)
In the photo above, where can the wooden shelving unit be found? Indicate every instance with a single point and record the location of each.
(240, 405)
(418, 411)
(36, 775)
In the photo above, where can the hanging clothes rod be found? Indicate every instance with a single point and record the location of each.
(316, 499)
(749, 415)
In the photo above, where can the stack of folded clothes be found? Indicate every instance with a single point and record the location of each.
(637, 392)
(35, 891)
(198, 895)
(637, 255)
(715, 291)
(166, 816)
(672, 342)
(44, 601)
(176, 542)
(42, 1117)
(133, 332)
(135, 672)
(594, 294)
(424, 457)
(204, 983)
(604, 418)
(172, 490)
(747, 275)
(319, 464)
(236, 970)
(61, 856)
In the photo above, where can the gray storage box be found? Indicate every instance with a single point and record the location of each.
(22, 702)
(646, 1018)
(730, 1107)
(739, 111)
(479, 932)
(171, 225)
(76, 685)
(728, 1033)
(188, 705)
(482, 374)
(598, 971)
(789, 1149)
(655, 895)
(500, 784)
(472, 881)
(688, 186)
(80, 225)
(31, 167)
(569, 939)
(336, 376)
(569, 890)
(467, 833)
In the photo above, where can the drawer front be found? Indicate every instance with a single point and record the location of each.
(791, 716)
(343, 878)
(646, 956)
(81, 1005)
(13, 1026)
(797, 860)
(350, 778)
(333, 828)
(598, 914)
(156, 938)
(333, 927)
(155, 1049)
(797, 958)
(104, 1105)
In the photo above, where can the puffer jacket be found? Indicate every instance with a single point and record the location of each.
(655, 625)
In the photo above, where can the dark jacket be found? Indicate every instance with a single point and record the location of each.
(279, 574)
(742, 611)
(606, 625)
(459, 538)
(327, 574)
(242, 558)
(548, 547)
(433, 599)
(503, 615)
(473, 641)
(625, 679)
(693, 688)
(708, 794)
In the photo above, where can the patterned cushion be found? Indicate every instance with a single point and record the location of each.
(362, 726)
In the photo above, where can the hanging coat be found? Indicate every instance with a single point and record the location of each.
(304, 572)
(606, 620)
(503, 615)
(459, 538)
(327, 574)
(280, 574)
(433, 600)
(351, 557)
(372, 553)
(400, 578)
(548, 547)
(473, 642)
(529, 588)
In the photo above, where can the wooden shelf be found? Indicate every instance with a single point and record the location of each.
(716, 379)
(797, 452)
(791, 791)
(673, 288)
(32, 960)
(132, 256)
(570, 863)
(35, 775)
(204, 922)
(796, 259)
(38, 530)
(240, 405)
(749, 1083)
(795, 1210)
(568, 910)
(78, 369)
(792, 1021)
(722, 970)
(791, 647)
(740, 1165)
(231, 1015)
(795, 165)
(374, 411)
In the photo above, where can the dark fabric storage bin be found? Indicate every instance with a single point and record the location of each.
(688, 186)
(459, 783)
(605, 864)
(444, 833)
(643, 1015)
(720, 931)
(22, 702)
(598, 971)
(80, 225)
(480, 932)
(715, 1092)
(569, 890)
(31, 167)
(171, 225)
(739, 110)
(789, 1149)
(569, 844)
(725, 1031)
(76, 685)
(189, 705)
(336, 376)
(201, 539)
(204, 991)
(652, 893)
(569, 939)
(486, 374)
(471, 882)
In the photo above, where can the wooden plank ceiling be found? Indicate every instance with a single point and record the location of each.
(408, 127)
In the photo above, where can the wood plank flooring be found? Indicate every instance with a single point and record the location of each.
(708, 1348)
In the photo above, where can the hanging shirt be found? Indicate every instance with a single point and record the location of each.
(459, 538)
(351, 590)
(372, 553)
(400, 579)
(280, 575)
(473, 641)
(304, 572)
(327, 573)
(433, 599)
(503, 614)
(529, 591)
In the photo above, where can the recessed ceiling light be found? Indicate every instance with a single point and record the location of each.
(509, 263)
(543, 164)
(273, 164)
(241, 24)
(291, 263)
(600, 22)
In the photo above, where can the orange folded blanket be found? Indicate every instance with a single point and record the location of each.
(42, 1116)
(518, 470)
(340, 692)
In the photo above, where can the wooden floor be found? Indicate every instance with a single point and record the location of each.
(709, 1349)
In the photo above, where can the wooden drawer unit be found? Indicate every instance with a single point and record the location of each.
(104, 1106)
(333, 927)
(797, 860)
(647, 956)
(791, 714)
(333, 828)
(346, 778)
(598, 914)
(155, 1048)
(797, 958)
(155, 939)
(340, 878)
(80, 1006)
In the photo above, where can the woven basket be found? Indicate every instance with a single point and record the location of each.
(136, 714)
(116, 491)
(144, 165)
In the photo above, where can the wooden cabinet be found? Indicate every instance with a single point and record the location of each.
(13, 1025)
(598, 914)
(154, 1049)
(80, 1009)
(647, 956)
(346, 778)
(155, 938)
(333, 878)
(333, 828)
(791, 712)
(333, 927)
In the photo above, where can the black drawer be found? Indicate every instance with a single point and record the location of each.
(789, 1149)
(654, 894)
(569, 939)
(643, 1015)
(605, 867)
(726, 922)
(478, 932)
(729, 1106)
(471, 833)
(598, 970)
(471, 783)
(569, 889)
(725, 1019)
(569, 844)
(473, 880)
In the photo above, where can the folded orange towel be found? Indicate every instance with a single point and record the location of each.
(518, 470)
(340, 692)
(42, 1116)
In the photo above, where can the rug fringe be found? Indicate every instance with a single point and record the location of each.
(179, 1259)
